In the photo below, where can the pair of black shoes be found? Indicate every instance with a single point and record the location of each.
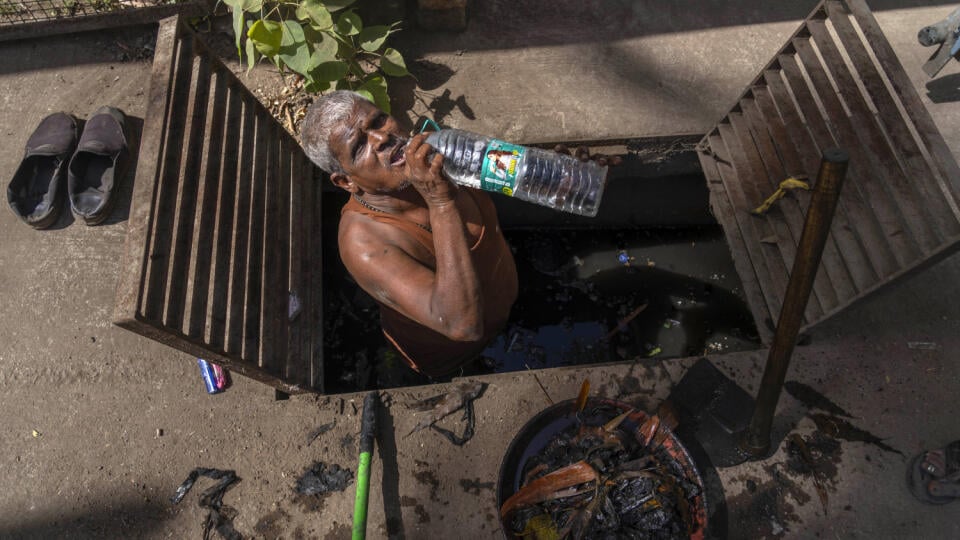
(90, 165)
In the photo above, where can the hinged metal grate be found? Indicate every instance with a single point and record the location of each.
(837, 82)
(223, 255)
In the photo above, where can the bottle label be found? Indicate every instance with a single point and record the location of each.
(501, 161)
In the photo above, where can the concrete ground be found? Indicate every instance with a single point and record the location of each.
(100, 426)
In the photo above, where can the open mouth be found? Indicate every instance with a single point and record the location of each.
(397, 157)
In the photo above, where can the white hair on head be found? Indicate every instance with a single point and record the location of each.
(326, 112)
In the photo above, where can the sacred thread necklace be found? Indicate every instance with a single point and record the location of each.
(369, 206)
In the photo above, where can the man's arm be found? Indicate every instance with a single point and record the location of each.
(447, 300)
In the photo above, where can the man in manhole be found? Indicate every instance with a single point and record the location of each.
(430, 252)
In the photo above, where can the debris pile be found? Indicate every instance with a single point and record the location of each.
(604, 478)
(321, 478)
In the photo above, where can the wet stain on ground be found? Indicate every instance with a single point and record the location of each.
(815, 457)
(816, 452)
(841, 429)
(339, 531)
(347, 441)
(427, 478)
(763, 510)
(631, 385)
(474, 486)
(309, 503)
(271, 526)
(813, 399)
(422, 515)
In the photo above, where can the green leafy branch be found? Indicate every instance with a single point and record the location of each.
(322, 40)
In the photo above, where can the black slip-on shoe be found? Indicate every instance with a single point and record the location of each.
(98, 165)
(36, 192)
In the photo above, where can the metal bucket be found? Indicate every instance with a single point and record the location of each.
(545, 426)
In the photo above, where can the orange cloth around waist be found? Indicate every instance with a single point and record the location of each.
(426, 350)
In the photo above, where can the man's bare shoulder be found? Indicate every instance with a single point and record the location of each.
(362, 239)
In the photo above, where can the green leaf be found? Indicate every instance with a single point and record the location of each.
(344, 84)
(292, 34)
(238, 27)
(329, 71)
(377, 87)
(392, 63)
(315, 12)
(294, 51)
(345, 49)
(337, 5)
(349, 24)
(374, 81)
(266, 36)
(316, 86)
(325, 48)
(251, 55)
(356, 70)
(366, 94)
(372, 38)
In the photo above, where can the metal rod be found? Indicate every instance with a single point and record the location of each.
(833, 167)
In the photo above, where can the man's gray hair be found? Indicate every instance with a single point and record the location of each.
(326, 112)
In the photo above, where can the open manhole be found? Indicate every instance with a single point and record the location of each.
(682, 293)
(650, 277)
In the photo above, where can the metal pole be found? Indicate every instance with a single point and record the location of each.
(833, 167)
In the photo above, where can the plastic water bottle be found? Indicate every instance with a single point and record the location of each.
(539, 176)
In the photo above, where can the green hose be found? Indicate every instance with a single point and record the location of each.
(367, 430)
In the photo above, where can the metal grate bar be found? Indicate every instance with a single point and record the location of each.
(835, 83)
(897, 126)
(224, 207)
(230, 196)
(774, 229)
(793, 215)
(900, 84)
(185, 207)
(202, 243)
(805, 111)
(842, 246)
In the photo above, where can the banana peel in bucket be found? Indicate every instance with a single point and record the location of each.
(599, 468)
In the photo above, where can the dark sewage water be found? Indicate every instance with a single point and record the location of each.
(587, 296)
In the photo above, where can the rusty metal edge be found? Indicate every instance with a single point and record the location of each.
(167, 336)
(949, 247)
(133, 262)
(128, 17)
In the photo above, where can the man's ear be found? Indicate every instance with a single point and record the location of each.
(343, 181)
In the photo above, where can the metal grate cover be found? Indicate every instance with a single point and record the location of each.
(223, 257)
(837, 82)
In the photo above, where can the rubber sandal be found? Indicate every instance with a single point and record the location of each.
(934, 476)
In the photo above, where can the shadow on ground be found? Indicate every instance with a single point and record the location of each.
(112, 519)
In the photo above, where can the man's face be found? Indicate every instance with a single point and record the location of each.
(369, 146)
